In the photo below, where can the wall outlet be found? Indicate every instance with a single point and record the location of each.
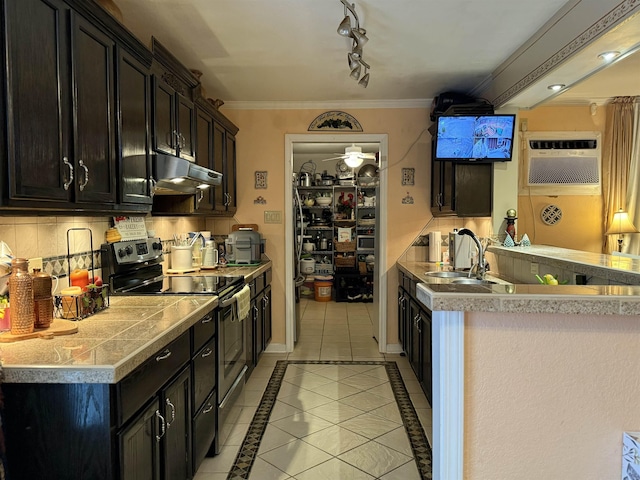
(35, 263)
(534, 268)
(272, 216)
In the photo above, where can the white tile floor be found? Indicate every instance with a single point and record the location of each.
(329, 421)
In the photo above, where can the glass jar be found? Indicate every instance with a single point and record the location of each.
(21, 297)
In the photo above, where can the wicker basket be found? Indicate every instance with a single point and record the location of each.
(345, 246)
(345, 261)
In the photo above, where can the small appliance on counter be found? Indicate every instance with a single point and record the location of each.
(244, 247)
(462, 250)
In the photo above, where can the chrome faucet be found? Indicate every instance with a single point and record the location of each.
(481, 265)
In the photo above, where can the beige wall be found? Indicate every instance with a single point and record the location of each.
(261, 144)
(548, 397)
(581, 225)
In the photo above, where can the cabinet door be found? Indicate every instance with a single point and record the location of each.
(254, 315)
(403, 306)
(416, 339)
(425, 347)
(140, 445)
(258, 330)
(185, 127)
(266, 317)
(94, 106)
(38, 99)
(164, 115)
(134, 105)
(473, 190)
(230, 172)
(219, 139)
(442, 188)
(204, 155)
(177, 439)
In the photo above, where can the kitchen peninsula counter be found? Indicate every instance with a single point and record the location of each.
(439, 294)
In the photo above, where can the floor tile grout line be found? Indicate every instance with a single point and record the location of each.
(248, 451)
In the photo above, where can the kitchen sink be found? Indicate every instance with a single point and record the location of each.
(473, 281)
(447, 274)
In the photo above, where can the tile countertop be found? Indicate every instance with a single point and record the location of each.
(610, 267)
(441, 295)
(113, 342)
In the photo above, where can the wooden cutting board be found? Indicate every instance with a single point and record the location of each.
(57, 327)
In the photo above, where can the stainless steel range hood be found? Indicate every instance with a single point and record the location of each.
(176, 175)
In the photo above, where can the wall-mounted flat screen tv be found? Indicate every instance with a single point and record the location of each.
(474, 138)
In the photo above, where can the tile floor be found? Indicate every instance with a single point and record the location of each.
(329, 421)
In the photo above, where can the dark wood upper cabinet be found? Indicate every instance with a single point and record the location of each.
(38, 104)
(204, 155)
(134, 107)
(94, 119)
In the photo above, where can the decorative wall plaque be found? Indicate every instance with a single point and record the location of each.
(408, 176)
(408, 200)
(261, 180)
(335, 120)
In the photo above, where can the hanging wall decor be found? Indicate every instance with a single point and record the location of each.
(260, 200)
(261, 180)
(408, 175)
(408, 200)
(335, 120)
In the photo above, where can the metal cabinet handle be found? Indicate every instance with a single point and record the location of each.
(182, 141)
(173, 412)
(152, 182)
(199, 197)
(86, 175)
(417, 320)
(208, 409)
(265, 301)
(207, 319)
(227, 201)
(164, 355)
(255, 312)
(163, 426)
(206, 353)
(67, 184)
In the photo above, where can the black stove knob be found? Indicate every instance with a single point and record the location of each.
(129, 249)
(156, 246)
(121, 253)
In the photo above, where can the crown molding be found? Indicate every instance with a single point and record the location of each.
(329, 105)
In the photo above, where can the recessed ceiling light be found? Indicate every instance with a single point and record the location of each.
(556, 87)
(608, 56)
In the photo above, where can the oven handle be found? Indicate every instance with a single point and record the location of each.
(228, 300)
(240, 378)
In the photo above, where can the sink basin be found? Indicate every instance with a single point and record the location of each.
(447, 274)
(473, 281)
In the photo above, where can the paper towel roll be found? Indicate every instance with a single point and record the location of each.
(435, 246)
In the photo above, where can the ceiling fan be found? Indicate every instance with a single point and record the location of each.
(353, 156)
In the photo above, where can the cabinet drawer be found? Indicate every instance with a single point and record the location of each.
(141, 384)
(252, 288)
(268, 277)
(203, 330)
(204, 430)
(259, 283)
(204, 373)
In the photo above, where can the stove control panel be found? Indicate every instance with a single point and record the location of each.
(137, 251)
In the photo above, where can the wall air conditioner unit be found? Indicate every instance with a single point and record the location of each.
(561, 163)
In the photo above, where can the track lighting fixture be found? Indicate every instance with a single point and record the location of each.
(359, 38)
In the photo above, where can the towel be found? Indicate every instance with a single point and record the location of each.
(243, 302)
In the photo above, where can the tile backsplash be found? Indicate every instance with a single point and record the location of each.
(55, 238)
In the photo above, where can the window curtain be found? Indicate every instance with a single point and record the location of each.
(616, 161)
(632, 242)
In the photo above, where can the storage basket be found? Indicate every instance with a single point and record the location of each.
(345, 246)
(77, 307)
(345, 261)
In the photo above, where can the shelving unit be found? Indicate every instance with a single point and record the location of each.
(353, 275)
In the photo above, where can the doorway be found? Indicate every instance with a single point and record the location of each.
(327, 144)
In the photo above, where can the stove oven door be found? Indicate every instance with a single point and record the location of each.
(231, 368)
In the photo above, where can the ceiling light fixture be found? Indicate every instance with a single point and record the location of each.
(556, 87)
(608, 56)
(359, 38)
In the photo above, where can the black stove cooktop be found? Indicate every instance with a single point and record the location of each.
(185, 285)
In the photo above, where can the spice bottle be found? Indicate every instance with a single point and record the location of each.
(21, 297)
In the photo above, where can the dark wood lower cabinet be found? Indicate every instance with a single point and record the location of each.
(139, 444)
(176, 442)
(258, 328)
(414, 328)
